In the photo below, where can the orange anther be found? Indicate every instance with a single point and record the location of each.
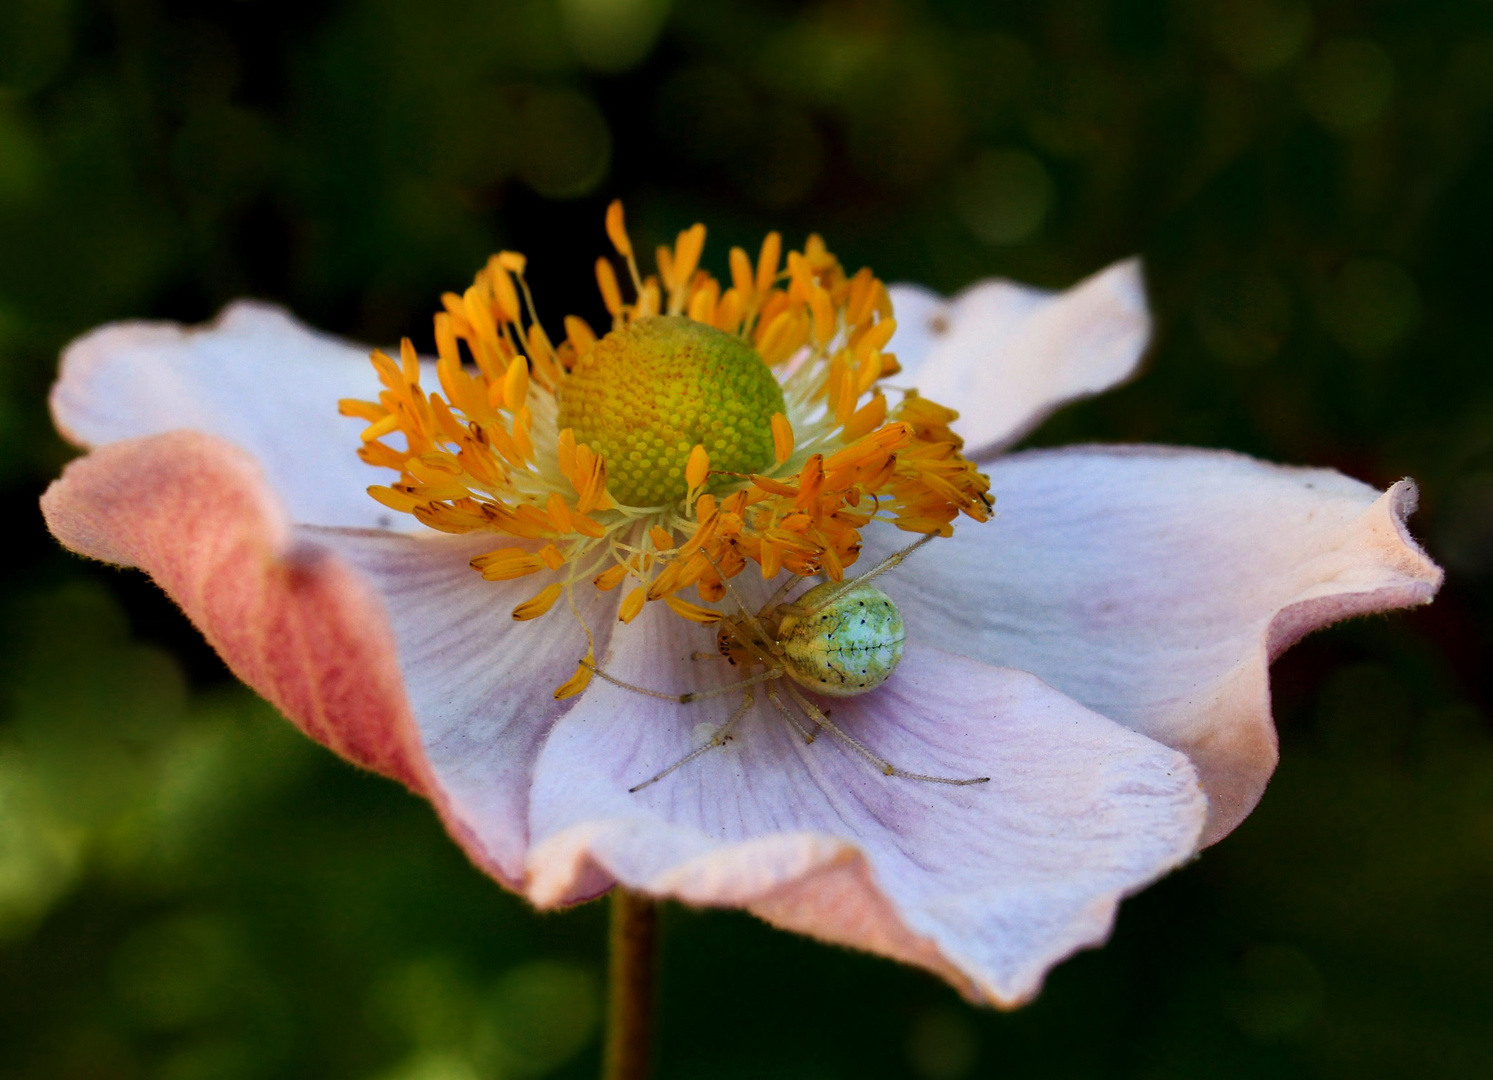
(741, 272)
(579, 681)
(559, 513)
(606, 281)
(692, 612)
(697, 468)
(617, 230)
(538, 604)
(610, 578)
(516, 384)
(631, 605)
(767, 261)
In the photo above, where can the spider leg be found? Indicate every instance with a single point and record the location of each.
(746, 612)
(777, 597)
(787, 714)
(718, 739)
(885, 766)
(891, 561)
(693, 695)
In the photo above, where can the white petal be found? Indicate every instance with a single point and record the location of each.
(1006, 355)
(1154, 585)
(256, 377)
(988, 885)
(480, 685)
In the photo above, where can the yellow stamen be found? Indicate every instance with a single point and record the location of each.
(610, 578)
(611, 294)
(503, 291)
(741, 273)
(710, 428)
(866, 419)
(698, 467)
(767, 261)
(632, 604)
(580, 680)
(377, 430)
(395, 500)
(539, 604)
(559, 513)
(507, 563)
(516, 384)
(686, 257)
(692, 612)
(782, 438)
(617, 231)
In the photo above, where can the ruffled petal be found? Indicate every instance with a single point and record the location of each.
(1155, 585)
(386, 648)
(987, 885)
(1006, 355)
(255, 376)
(480, 685)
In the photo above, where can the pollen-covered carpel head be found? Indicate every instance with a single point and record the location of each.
(651, 390)
(715, 425)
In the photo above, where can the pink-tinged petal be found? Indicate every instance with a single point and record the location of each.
(987, 885)
(1155, 585)
(1006, 355)
(480, 685)
(254, 376)
(388, 649)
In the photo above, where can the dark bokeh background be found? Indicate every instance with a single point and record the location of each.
(190, 890)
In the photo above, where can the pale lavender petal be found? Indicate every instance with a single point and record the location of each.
(254, 376)
(389, 649)
(1155, 585)
(1006, 355)
(988, 885)
(480, 685)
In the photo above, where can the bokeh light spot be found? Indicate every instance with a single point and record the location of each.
(1349, 84)
(1003, 196)
(565, 148)
(1272, 992)
(35, 40)
(1258, 36)
(942, 1044)
(1370, 305)
(180, 971)
(612, 35)
(538, 1016)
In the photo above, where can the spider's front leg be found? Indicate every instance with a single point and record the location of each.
(689, 696)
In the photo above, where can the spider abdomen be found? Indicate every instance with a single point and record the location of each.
(849, 646)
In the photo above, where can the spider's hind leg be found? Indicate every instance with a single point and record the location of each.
(881, 763)
(718, 739)
(787, 714)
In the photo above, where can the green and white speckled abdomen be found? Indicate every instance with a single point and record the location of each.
(847, 648)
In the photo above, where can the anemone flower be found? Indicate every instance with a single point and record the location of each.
(559, 527)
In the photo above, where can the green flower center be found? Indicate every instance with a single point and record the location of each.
(651, 390)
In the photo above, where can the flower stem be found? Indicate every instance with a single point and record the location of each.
(630, 986)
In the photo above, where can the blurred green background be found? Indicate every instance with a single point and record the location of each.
(190, 890)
